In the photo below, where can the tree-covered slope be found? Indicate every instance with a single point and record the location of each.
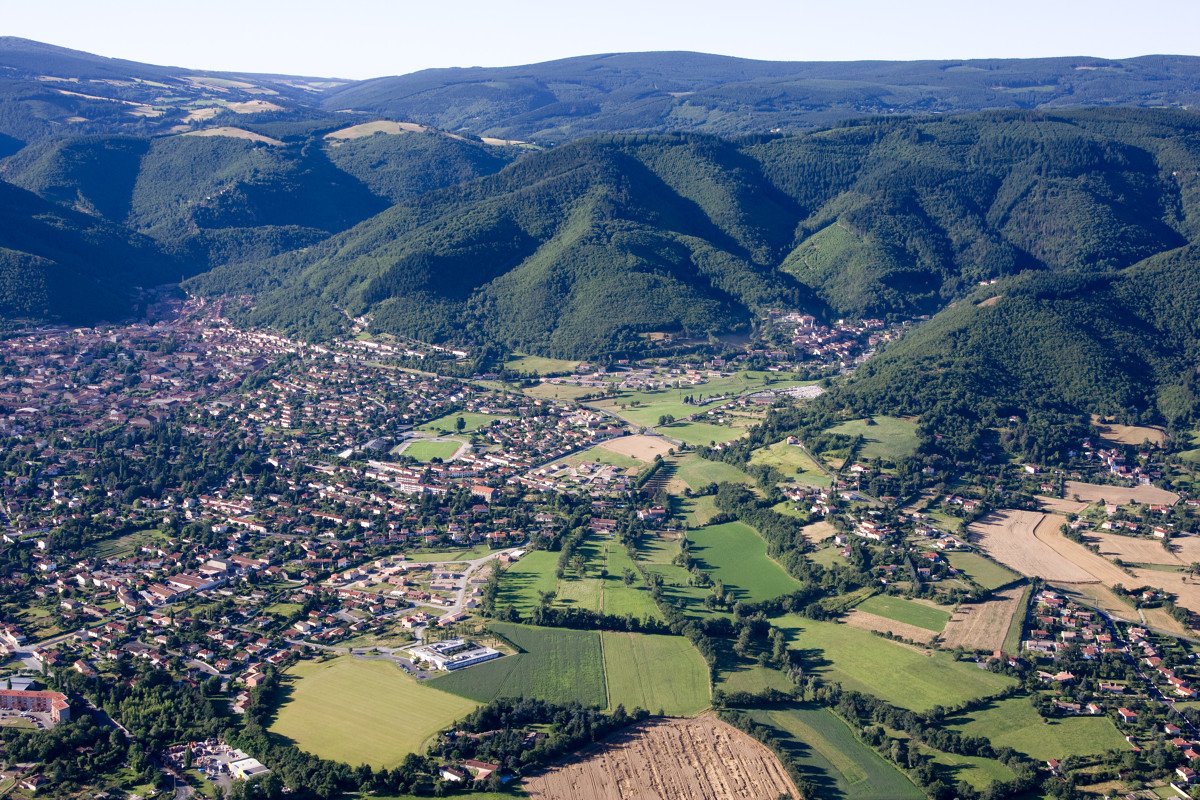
(667, 91)
(61, 264)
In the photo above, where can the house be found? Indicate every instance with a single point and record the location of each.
(1126, 715)
(453, 774)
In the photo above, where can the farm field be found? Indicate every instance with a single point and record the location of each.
(521, 582)
(741, 676)
(704, 433)
(1185, 589)
(906, 676)
(325, 714)
(984, 571)
(620, 599)
(471, 422)
(832, 758)
(539, 365)
(1121, 495)
(1030, 543)
(1013, 723)
(873, 622)
(654, 672)
(696, 472)
(984, 626)
(447, 556)
(642, 449)
(906, 611)
(556, 665)
(1129, 434)
(818, 532)
(601, 455)
(889, 439)
(427, 451)
(698, 759)
(1060, 505)
(556, 391)
(793, 462)
(979, 773)
(698, 510)
(1133, 549)
(736, 555)
(580, 593)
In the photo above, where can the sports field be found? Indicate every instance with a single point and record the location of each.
(360, 712)
(1013, 723)
(427, 451)
(906, 611)
(736, 555)
(889, 439)
(654, 672)
(832, 758)
(906, 676)
(556, 665)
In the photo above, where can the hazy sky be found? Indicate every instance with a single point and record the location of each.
(369, 38)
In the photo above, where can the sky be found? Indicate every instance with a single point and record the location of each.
(370, 38)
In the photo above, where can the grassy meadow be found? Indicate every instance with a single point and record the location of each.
(1014, 723)
(906, 611)
(736, 555)
(889, 439)
(654, 672)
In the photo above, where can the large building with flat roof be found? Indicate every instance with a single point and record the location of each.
(454, 654)
(53, 703)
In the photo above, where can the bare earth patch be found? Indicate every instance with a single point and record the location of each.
(698, 759)
(643, 448)
(1060, 505)
(235, 133)
(1121, 495)
(874, 622)
(379, 126)
(818, 532)
(1129, 434)
(983, 626)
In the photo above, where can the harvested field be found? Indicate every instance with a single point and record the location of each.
(1060, 505)
(692, 758)
(1134, 549)
(874, 622)
(1185, 588)
(1129, 434)
(1121, 495)
(235, 133)
(643, 448)
(379, 126)
(1186, 547)
(818, 532)
(1008, 537)
(983, 626)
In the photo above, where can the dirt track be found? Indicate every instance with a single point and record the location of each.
(983, 626)
(677, 759)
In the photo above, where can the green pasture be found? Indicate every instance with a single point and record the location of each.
(1014, 723)
(984, 571)
(793, 462)
(889, 439)
(655, 673)
(736, 555)
(906, 611)
(471, 422)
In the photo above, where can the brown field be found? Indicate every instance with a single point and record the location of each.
(1121, 495)
(983, 626)
(1185, 588)
(1135, 549)
(818, 532)
(379, 126)
(235, 133)
(991, 301)
(1060, 505)
(1129, 434)
(1008, 537)
(874, 622)
(1186, 547)
(1159, 619)
(700, 759)
(643, 448)
(1093, 594)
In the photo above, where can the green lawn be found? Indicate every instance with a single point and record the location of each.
(556, 665)
(902, 675)
(979, 773)
(736, 555)
(654, 672)
(521, 582)
(1013, 723)
(792, 462)
(427, 451)
(699, 472)
(460, 554)
(602, 455)
(931, 619)
(890, 438)
(831, 756)
(539, 365)
(703, 433)
(984, 571)
(350, 710)
(471, 422)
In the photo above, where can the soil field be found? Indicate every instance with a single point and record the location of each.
(1134, 549)
(874, 622)
(1122, 495)
(1129, 434)
(1031, 543)
(818, 532)
(700, 759)
(983, 626)
(643, 448)
(1060, 505)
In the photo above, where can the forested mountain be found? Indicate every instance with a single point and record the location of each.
(577, 250)
(581, 96)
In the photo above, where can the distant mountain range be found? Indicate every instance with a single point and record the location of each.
(572, 207)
